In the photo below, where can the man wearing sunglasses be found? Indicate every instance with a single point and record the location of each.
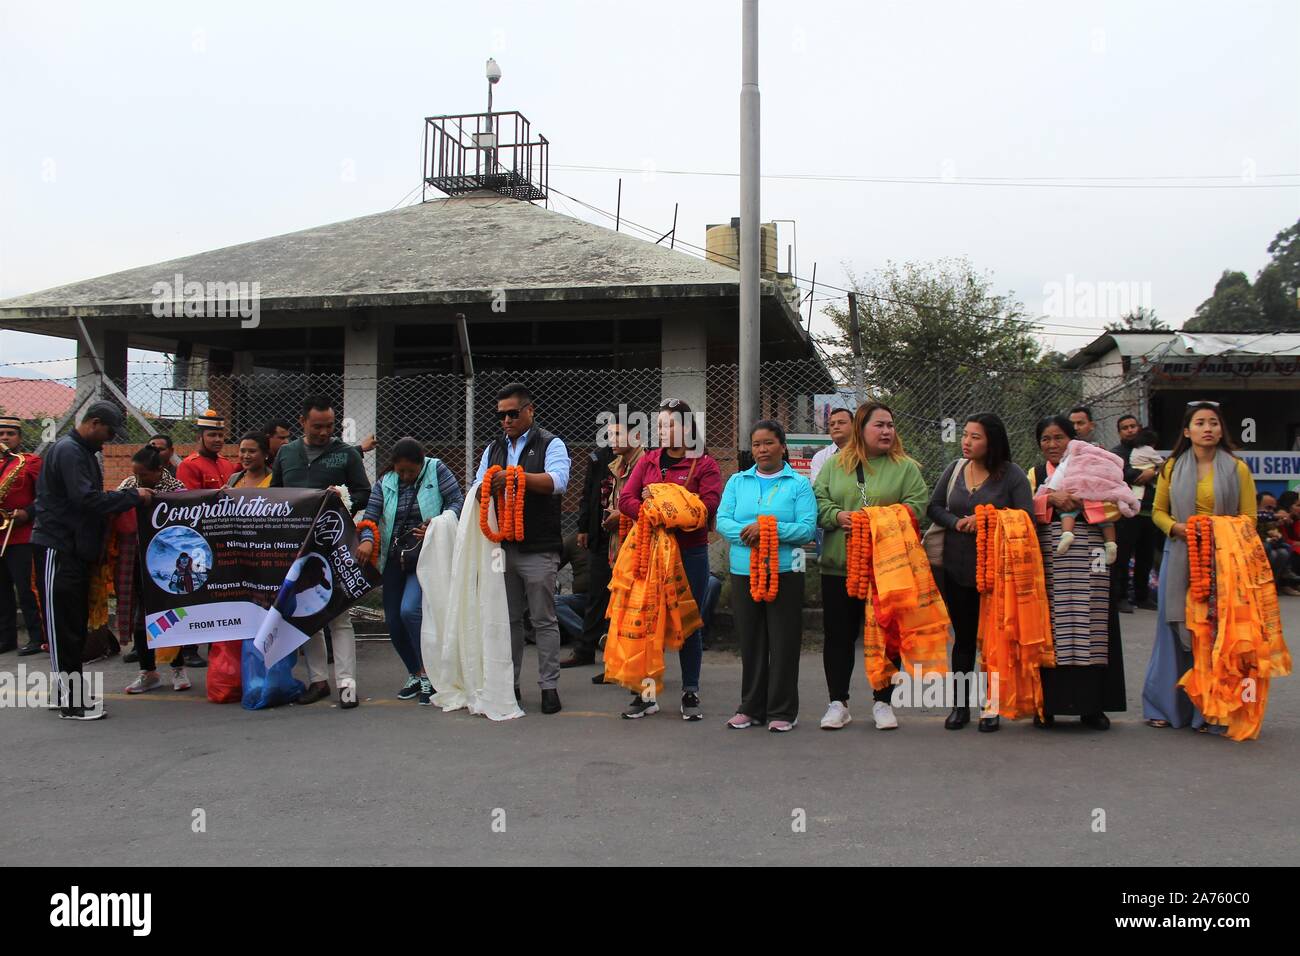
(531, 564)
(72, 510)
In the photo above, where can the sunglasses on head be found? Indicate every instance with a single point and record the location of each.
(1211, 404)
(511, 413)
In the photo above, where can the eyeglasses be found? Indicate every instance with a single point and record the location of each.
(673, 403)
(1211, 404)
(511, 413)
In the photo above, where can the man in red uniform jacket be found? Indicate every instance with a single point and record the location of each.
(16, 563)
(206, 468)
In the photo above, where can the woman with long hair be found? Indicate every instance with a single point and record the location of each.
(983, 475)
(1088, 678)
(412, 491)
(148, 470)
(681, 459)
(254, 462)
(1203, 476)
(770, 626)
(871, 470)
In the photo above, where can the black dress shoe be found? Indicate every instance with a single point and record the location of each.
(958, 719)
(1044, 722)
(1095, 721)
(1148, 605)
(1124, 607)
(550, 701)
(27, 650)
(598, 678)
(347, 703)
(988, 724)
(314, 692)
(192, 659)
(577, 659)
(130, 657)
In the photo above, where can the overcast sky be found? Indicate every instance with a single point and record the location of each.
(137, 132)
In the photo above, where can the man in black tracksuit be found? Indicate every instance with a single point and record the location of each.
(72, 509)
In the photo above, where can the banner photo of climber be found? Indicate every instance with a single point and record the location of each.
(323, 580)
(214, 562)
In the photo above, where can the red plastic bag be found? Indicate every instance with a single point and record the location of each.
(224, 665)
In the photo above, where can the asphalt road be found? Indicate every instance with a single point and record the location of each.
(395, 783)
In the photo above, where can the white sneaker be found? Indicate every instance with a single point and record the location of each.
(1112, 551)
(147, 681)
(836, 716)
(1067, 539)
(883, 715)
(180, 680)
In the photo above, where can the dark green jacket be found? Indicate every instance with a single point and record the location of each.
(339, 464)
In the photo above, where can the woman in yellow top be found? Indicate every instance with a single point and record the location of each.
(1202, 477)
(254, 472)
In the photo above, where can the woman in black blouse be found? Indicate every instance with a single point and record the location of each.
(986, 476)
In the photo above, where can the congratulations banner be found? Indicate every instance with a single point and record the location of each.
(216, 563)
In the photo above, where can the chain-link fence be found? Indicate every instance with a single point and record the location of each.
(929, 404)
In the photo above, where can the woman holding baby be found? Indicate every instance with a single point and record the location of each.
(1075, 512)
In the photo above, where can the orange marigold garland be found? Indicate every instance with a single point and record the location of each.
(858, 554)
(510, 506)
(643, 533)
(1200, 556)
(986, 517)
(764, 561)
(374, 529)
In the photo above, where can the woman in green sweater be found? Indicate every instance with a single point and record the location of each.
(871, 470)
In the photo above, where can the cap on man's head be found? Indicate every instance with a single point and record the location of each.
(8, 421)
(210, 419)
(106, 412)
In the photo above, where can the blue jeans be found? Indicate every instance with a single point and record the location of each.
(695, 562)
(403, 611)
(569, 611)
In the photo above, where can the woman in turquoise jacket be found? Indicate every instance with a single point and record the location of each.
(771, 632)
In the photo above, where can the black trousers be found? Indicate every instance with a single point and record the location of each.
(16, 575)
(593, 619)
(1135, 538)
(964, 610)
(64, 583)
(842, 621)
(771, 633)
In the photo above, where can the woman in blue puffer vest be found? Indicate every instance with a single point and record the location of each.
(412, 491)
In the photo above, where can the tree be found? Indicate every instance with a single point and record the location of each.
(1141, 319)
(1270, 304)
(939, 344)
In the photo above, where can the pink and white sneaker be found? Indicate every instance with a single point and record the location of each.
(742, 721)
(782, 726)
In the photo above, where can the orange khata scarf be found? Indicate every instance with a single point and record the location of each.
(1015, 631)
(509, 507)
(1232, 613)
(765, 561)
(650, 604)
(101, 585)
(904, 615)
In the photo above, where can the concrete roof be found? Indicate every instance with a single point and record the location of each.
(437, 252)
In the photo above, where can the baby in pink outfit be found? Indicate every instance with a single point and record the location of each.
(1095, 475)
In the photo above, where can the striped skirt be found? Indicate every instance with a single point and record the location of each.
(1078, 589)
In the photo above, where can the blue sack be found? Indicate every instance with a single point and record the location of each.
(268, 688)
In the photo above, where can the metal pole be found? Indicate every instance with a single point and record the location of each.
(855, 342)
(467, 368)
(618, 205)
(750, 300)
